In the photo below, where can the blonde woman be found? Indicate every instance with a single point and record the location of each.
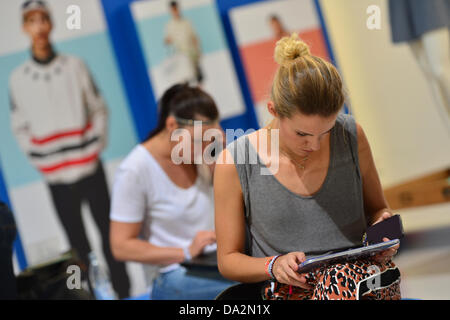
(322, 197)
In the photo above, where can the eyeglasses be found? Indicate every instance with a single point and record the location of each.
(40, 3)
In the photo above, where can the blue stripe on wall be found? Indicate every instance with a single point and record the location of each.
(248, 119)
(132, 65)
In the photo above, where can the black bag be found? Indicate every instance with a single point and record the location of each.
(49, 281)
(8, 232)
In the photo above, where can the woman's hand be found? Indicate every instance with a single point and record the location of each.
(384, 216)
(201, 240)
(285, 270)
(386, 255)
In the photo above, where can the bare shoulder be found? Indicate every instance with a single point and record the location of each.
(256, 137)
(364, 150)
(225, 162)
(363, 143)
(224, 158)
(253, 136)
(226, 176)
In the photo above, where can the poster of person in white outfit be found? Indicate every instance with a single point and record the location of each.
(183, 41)
(59, 120)
(181, 35)
(258, 26)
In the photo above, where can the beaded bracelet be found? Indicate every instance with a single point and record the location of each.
(271, 266)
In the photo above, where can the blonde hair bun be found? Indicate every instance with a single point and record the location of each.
(290, 48)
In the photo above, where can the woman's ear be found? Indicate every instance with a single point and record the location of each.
(271, 109)
(171, 123)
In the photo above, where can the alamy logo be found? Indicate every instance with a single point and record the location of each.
(73, 22)
(373, 22)
(374, 282)
(74, 280)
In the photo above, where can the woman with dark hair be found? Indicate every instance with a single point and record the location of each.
(162, 212)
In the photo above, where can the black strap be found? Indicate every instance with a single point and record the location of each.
(248, 234)
(378, 281)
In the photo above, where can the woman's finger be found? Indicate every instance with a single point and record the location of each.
(385, 255)
(396, 247)
(299, 284)
(299, 281)
(293, 281)
(207, 241)
(386, 215)
(293, 263)
(282, 277)
(212, 234)
(300, 256)
(295, 278)
(295, 275)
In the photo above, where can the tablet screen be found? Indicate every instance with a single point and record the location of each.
(343, 256)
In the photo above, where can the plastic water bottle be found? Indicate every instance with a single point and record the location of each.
(99, 280)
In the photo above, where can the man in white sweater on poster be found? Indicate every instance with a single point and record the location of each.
(60, 122)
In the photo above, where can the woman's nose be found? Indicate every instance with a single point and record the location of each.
(314, 144)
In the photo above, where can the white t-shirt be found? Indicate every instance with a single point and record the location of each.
(170, 215)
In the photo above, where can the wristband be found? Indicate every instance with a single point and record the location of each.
(270, 267)
(187, 254)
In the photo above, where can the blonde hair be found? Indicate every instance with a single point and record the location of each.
(303, 82)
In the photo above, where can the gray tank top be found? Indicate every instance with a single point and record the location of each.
(280, 221)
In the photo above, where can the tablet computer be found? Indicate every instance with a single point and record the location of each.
(204, 260)
(207, 258)
(343, 256)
